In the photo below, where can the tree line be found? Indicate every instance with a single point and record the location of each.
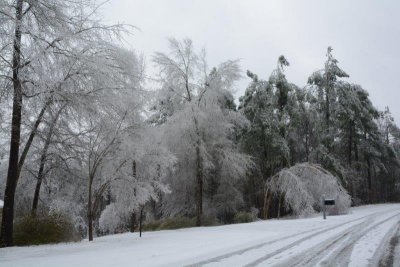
(82, 132)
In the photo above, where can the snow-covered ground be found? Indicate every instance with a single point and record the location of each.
(366, 236)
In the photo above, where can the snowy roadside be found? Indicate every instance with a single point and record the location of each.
(272, 242)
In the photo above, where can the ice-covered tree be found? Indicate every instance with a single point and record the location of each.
(140, 180)
(269, 106)
(41, 33)
(195, 107)
(326, 82)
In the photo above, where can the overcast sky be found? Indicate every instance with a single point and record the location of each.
(365, 36)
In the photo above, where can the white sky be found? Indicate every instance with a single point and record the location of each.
(365, 35)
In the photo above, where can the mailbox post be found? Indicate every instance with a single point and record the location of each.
(326, 202)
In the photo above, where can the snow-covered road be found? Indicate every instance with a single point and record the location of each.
(368, 236)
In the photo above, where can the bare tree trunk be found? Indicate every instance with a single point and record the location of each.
(307, 147)
(153, 205)
(356, 153)
(38, 185)
(266, 204)
(350, 143)
(199, 177)
(133, 215)
(108, 196)
(90, 211)
(369, 177)
(199, 187)
(6, 236)
(31, 137)
(327, 111)
(328, 118)
(43, 158)
(140, 221)
(133, 221)
(387, 135)
(279, 207)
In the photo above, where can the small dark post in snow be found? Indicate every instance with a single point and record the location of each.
(140, 222)
(324, 207)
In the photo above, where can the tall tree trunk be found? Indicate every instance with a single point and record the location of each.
(387, 135)
(369, 179)
(133, 221)
(279, 207)
(253, 193)
(357, 165)
(350, 145)
(266, 203)
(282, 131)
(349, 156)
(6, 235)
(141, 221)
(38, 184)
(43, 159)
(199, 177)
(356, 152)
(327, 111)
(307, 148)
(32, 135)
(108, 196)
(155, 210)
(328, 119)
(133, 214)
(329, 88)
(199, 187)
(90, 211)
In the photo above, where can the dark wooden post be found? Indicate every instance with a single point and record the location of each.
(140, 221)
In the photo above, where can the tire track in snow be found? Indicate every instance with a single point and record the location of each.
(298, 242)
(320, 230)
(340, 247)
(342, 256)
(389, 245)
(394, 250)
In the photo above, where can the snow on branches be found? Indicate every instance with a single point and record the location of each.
(303, 186)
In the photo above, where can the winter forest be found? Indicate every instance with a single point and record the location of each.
(91, 139)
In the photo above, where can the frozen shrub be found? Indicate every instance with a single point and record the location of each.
(44, 229)
(71, 210)
(113, 220)
(152, 226)
(177, 223)
(244, 217)
(303, 186)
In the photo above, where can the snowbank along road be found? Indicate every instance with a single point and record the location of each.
(368, 236)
